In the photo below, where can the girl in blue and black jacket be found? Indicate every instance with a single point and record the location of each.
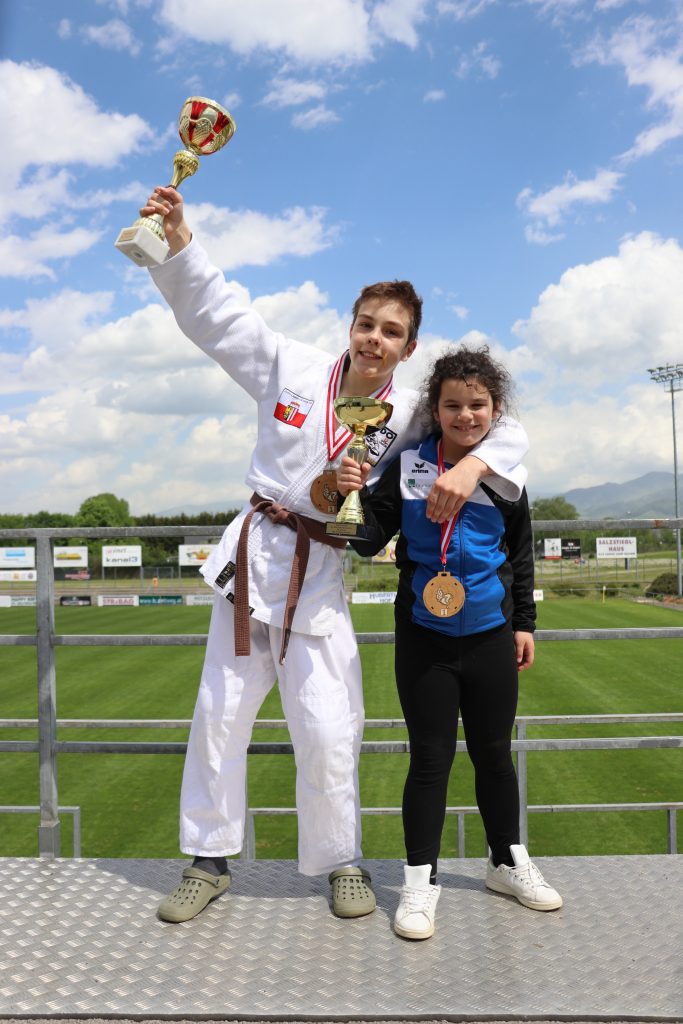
(465, 618)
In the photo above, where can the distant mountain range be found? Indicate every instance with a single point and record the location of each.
(648, 497)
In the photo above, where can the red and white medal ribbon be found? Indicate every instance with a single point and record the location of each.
(444, 594)
(338, 436)
(446, 528)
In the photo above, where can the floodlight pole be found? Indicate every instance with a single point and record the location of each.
(671, 375)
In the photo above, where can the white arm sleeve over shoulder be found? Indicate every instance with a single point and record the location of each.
(502, 450)
(208, 312)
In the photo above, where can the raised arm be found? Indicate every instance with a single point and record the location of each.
(208, 310)
(497, 459)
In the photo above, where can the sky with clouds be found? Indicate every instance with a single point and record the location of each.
(519, 160)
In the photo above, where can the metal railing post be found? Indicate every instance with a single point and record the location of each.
(523, 788)
(673, 841)
(49, 829)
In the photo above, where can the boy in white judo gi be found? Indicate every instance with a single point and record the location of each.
(280, 609)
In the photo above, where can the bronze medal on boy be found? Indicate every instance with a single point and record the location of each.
(324, 493)
(443, 595)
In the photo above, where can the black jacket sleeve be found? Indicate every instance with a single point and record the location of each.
(520, 557)
(382, 512)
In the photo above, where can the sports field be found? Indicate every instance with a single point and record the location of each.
(129, 802)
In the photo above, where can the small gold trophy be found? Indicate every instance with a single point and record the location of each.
(205, 127)
(358, 414)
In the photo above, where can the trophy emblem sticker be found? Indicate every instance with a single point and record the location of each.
(205, 127)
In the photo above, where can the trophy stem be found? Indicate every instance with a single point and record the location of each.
(185, 164)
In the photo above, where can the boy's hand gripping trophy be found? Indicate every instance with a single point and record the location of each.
(205, 127)
(358, 414)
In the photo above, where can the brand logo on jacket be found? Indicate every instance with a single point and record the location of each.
(418, 467)
(292, 409)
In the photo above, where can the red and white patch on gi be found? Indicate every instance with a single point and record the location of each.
(292, 409)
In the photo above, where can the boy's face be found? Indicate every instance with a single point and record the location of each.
(379, 339)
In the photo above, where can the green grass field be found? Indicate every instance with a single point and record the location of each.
(129, 802)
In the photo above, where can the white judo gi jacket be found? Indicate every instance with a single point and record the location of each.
(320, 680)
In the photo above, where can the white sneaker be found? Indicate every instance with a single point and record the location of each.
(524, 881)
(415, 915)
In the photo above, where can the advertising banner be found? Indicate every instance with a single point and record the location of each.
(23, 602)
(121, 554)
(374, 597)
(199, 599)
(5, 601)
(194, 554)
(71, 558)
(616, 547)
(112, 600)
(80, 602)
(571, 547)
(18, 575)
(161, 599)
(552, 547)
(17, 558)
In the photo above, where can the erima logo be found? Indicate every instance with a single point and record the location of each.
(419, 468)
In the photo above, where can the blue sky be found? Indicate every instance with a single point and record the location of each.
(520, 161)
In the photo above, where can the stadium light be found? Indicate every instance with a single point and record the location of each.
(672, 376)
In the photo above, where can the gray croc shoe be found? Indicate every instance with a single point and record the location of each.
(195, 892)
(351, 892)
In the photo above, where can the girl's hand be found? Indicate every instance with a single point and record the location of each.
(351, 476)
(524, 648)
(453, 488)
(168, 202)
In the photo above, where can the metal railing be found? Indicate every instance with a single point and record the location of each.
(48, 746)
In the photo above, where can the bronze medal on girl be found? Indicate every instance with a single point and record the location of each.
(444, 594)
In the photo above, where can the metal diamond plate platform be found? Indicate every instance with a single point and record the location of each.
(81, 938)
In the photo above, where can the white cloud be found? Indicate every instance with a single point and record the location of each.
(33, 187)
(314, 118)
(462, 312)
(337, 30)
(397, 20)
(288, 92)
(537, 234)
(247, 237)
(29, 257)
(64, 29)
(434, 96)
(113, 35)
(651, 55)
(603, 321)
(113, 389)
(464, 10)
(63, 104)
(478, 61)
(548, 209)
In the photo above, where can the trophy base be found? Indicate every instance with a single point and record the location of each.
(356, 530)
(142, 246)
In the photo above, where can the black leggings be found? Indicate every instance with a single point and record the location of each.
(439, 677)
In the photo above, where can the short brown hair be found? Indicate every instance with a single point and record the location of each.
(394, 291)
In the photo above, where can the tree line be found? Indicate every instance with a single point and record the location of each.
(108, 510)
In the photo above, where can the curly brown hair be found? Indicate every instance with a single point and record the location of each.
(474, 366)
(394, 291)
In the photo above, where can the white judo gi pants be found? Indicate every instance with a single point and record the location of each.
(321, 692)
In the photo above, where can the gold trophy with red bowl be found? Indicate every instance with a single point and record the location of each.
(204, 127)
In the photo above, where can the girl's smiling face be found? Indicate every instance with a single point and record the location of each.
(465, 412)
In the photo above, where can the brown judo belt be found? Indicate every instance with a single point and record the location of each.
(305, 529)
